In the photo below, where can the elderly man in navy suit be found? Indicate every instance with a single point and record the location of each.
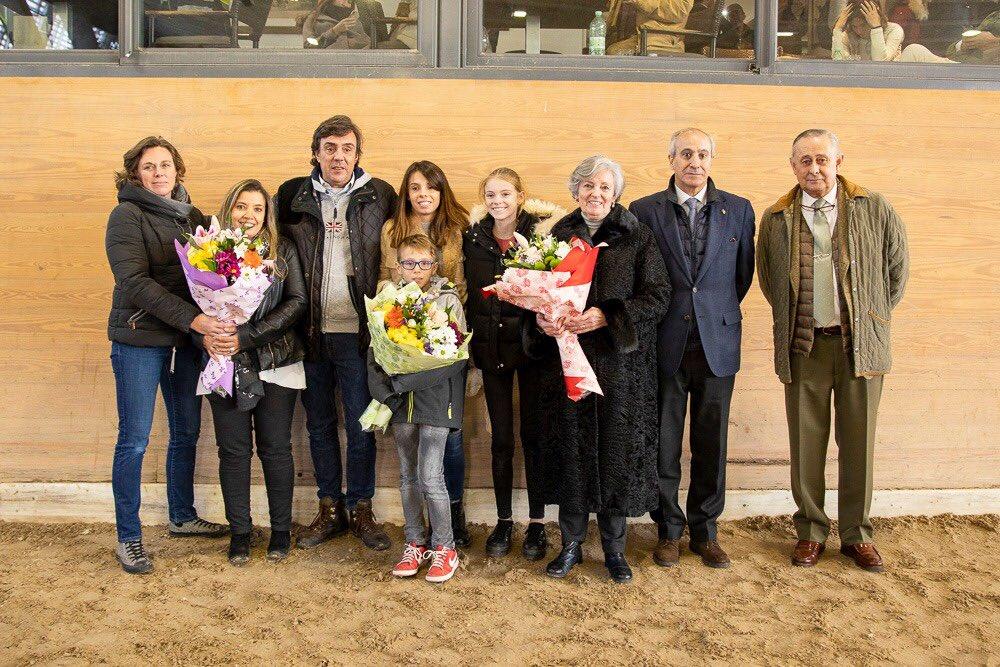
(707, 240)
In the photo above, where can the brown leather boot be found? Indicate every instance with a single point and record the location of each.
(667, 552)
(711, 553)
(363, 525)
(330, 522)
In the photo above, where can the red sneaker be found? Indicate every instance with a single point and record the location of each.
(413, 555)
(444, 562)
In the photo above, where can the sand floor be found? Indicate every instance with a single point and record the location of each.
(65, 601)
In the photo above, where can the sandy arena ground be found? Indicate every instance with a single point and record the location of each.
(64, 601)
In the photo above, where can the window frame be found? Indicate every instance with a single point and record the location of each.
(449, 36)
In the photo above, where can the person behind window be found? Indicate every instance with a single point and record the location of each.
(981, 49)
(344, 24)
(701, 18)
(152, 313)
(655, 15)
(862, 32)
(403, 35)
(427, 205)
(908, 14)
(735, 32)
(269, 374)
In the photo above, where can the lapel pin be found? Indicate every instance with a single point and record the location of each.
(723, 211)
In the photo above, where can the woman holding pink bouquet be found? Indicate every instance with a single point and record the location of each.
(600, 453)
(152, 313)
(425, 405)
(268, 375)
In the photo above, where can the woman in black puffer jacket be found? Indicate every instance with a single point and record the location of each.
(497, 349)
(152, 313)
(269, 374)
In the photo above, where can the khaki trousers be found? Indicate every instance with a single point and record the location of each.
(827, 370)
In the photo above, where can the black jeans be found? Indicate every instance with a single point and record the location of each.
(710, 399)
(270, 424)
(499, 391)
(573, 527)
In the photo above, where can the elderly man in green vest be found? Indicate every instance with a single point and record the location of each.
(832, 262)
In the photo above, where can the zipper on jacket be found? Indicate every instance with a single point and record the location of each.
(450, 397)
(136, 316)
(173, 358)
(409, 410)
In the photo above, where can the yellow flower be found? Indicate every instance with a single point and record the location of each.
(199, 258)
(405, 336)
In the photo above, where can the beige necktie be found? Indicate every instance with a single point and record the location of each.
(823, 296)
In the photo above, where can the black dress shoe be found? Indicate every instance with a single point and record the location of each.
(535, 542)
(571, 554)
(618, 568)
(459, 530)
(498, 543)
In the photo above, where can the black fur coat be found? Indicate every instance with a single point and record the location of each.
(600, 454)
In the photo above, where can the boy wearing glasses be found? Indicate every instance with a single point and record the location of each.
(434, 405)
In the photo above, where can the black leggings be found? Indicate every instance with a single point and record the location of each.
(270, 424)
(499, 390)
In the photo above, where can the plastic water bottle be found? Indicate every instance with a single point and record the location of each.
(596, 35)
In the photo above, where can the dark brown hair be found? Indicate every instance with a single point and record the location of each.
(336, 126)
(132, 158)
(450, 220)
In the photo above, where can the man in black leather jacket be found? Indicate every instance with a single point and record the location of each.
(335, 216)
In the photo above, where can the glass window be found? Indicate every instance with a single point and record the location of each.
(345, 25)
(651, 28)
(58, 24)
(915, 31)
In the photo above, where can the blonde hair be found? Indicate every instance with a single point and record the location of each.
(420, 242)
(507, 175)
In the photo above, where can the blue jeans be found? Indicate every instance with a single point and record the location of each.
(138, 372)
(454, 465)
(340, 363)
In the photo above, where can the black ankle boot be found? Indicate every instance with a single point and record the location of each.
(618, 568)
(279, 544)
(498, 543)
(571, 554)
(535, 542)
(458, 528)
(239, 548)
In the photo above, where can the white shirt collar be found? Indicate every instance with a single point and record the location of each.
(830, 197)
(683, 196)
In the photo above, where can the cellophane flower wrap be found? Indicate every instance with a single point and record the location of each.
(410, 333)
(553, 278)
(227, 277)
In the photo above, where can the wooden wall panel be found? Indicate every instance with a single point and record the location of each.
(933, 153)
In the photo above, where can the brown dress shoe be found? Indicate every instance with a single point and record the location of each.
(667, 552)
(864, 556)
(363, 525)
(806, 553)
(711, 553)
(330, 522)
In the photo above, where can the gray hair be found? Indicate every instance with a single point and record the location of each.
(816, 133)
(593, 165)
(672, 148)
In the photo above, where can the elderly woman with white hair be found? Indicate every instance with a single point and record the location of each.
(600, 454)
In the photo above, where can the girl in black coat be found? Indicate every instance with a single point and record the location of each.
(498, 350)
(152, 313)
(600, 453)
(269, 374)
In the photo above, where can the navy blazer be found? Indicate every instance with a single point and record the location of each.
(714, 295)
